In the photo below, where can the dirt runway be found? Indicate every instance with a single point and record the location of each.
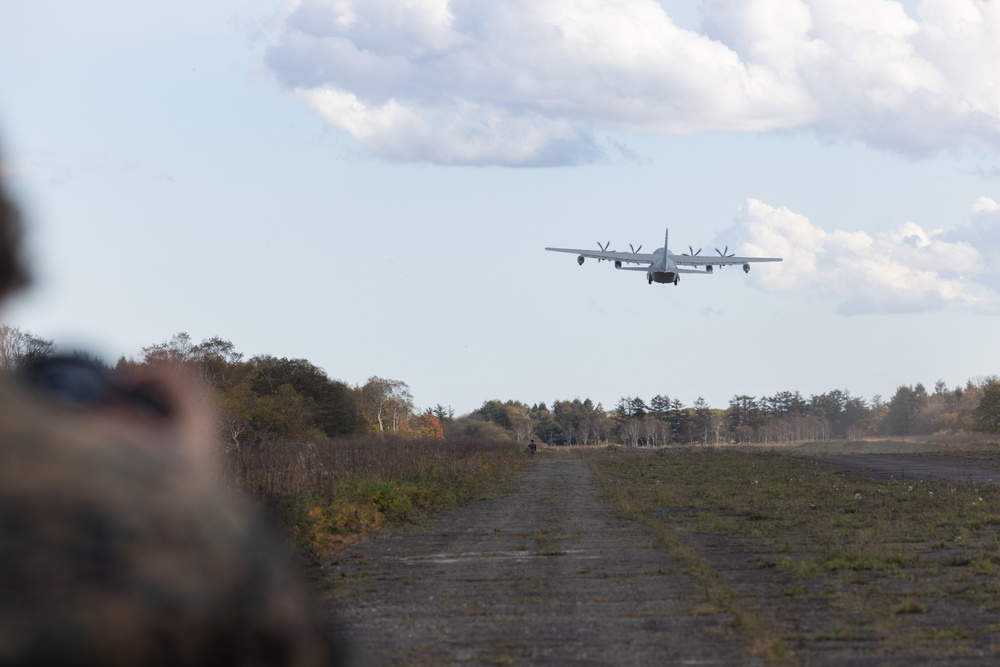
(548, 575)
(911, 467)
(551, 575)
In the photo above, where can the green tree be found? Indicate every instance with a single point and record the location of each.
(701, 423)
(672, 414)
(495, 411)
(903, 409)
(546, 427)
(660, 407)
(636, 407)
(444, 414)
(484, 430)
(844, 413)
(513, 416)
(572, 417)
(743, 418)
(987, 413)
(580, 421)
(282, 414)
(331, 403)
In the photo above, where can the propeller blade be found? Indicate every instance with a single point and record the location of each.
(634, 249)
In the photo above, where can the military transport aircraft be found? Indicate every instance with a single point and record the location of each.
(663, 266)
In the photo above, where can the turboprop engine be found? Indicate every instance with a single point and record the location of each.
(579, 260)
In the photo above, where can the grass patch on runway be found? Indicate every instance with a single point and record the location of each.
(802, 555)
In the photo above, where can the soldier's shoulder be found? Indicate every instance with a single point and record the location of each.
(126, 553)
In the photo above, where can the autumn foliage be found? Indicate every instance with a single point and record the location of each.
(429, 427)
(270, 399)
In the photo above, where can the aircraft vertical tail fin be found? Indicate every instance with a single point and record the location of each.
(666, 249)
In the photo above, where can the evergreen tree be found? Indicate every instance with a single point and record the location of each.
(987, 413)
(903, 409)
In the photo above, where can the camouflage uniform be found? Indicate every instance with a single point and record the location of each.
(117, 547)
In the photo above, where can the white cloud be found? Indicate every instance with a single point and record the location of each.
(552, 73)
(984, 205)
(907, 269)
(983, 234)
(461, 134)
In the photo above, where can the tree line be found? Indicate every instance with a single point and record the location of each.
(266, 398)
(786, 416)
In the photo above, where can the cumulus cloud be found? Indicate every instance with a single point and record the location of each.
(983, 234)
(906, 269)
(526, 82)
(462, 133)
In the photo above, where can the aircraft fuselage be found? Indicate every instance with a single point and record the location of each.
(663, 277)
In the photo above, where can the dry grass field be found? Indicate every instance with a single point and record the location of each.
(329, 494)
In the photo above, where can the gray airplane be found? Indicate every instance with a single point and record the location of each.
(661, 265)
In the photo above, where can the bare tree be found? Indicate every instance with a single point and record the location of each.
(18, 348)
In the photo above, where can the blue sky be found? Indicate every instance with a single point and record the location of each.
(370, 185)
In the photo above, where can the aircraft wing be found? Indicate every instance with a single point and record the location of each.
(703, 260)
(610, 255)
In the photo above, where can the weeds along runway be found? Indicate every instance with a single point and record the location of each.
(548, 575)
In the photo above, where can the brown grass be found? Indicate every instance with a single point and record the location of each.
(327, 494)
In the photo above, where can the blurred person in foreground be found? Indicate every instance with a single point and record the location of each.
(117, 544)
